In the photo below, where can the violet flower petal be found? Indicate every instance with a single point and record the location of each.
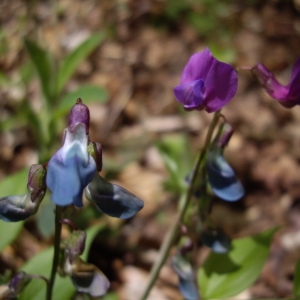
(220, 86)
(206, 83)
(190, 94)
(294, 86)
(222, 179)
(197, 67)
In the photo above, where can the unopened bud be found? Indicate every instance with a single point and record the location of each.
(37, 182)
(79, 114)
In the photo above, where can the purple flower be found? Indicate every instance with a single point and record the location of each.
(206, 83)
(287, 95)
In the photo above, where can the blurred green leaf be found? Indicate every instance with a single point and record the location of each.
(45, 217)
(44, 65)
(174, 152)
(88, 93)
(15, 184)
(41, 264)
(226, 275)
(9, 232)
(73, 60)
(296, 288)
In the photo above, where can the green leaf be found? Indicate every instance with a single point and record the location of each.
(41, 264)
(88, 93)
(15, 184)
(9, 232)
(12, 185)
(226, 275)
(44, 65)
(73, 60)
(296, 288)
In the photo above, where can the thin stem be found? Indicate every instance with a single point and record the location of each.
(55, 261)
(173, 230)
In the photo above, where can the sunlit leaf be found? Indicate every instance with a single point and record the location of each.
(226, 275)
(44, 65)
(73, 60)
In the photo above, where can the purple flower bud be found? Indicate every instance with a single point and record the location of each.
(206, 83)
(37, 182)
(79, 114)
(287, 95)
(75, 244)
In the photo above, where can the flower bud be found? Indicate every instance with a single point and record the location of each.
(216, 239)
(79, 114)
(75, 244)
(37, 182)
(19, 208)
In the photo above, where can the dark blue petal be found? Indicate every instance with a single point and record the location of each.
(17, 208)
(187, 284)
(222, 179)
(217, 240)
(189, 289)
(112, 199)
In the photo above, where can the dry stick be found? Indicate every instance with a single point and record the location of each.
(55, 261)
(172, 233)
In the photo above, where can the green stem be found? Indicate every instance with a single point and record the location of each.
(55, 261)
(173, 230)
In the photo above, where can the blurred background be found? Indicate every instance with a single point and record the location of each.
(128, 73)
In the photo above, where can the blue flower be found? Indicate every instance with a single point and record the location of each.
(71, 168)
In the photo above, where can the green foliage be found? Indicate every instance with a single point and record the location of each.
(73, 60)
(44, 64)
(226, 275)
(174, 150)
(40, 264)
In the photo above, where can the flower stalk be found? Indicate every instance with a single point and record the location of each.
(55, 262)
(172, 234)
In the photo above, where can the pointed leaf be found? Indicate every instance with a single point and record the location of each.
(226, 275)
(73, 60)
(44, 65)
